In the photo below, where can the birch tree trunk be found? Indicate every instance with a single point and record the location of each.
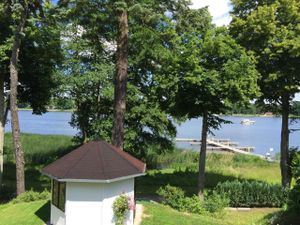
(284, 144)
(120, 80)
(202, 156)
(19, 155)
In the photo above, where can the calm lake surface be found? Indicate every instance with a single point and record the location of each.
(262, 135)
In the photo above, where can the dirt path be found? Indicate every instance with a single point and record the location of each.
(139, 211)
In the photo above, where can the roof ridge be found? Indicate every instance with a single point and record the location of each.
(71, 167)
(96, 160)
(122, 153)
(101, 159)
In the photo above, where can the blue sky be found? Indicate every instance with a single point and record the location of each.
(219, 9)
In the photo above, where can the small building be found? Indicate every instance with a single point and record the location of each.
(86, 182)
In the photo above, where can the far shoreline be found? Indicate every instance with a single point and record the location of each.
(234, 115)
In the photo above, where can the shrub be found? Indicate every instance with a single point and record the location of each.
(216, 203)
(252, 193)
(294, 197)
(120, 209)
(172, 196)
(30, 196)
(193, 205)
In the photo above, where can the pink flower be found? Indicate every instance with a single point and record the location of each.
(131, 203)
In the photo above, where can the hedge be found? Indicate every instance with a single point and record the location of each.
(253, 193)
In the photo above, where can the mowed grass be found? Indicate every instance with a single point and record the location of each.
(155, 214)
(32, 213)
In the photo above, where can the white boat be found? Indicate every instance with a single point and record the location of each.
(247, 122)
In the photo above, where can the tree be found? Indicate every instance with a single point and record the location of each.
(5, 45)
(37, 55)
(270, 29)
(121, 75)
(2, 125)
(214, 72)
(19, 155)
(151, 37)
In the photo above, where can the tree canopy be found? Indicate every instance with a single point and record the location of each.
(213, 72)
(90, 67)
(270, 29)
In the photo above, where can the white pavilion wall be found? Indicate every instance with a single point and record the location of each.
(91, 203)
(57, 216)
(111, 192)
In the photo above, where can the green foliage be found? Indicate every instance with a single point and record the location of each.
(213, 72)
(240, 159)
(39, 149)
(252, 193)
(193, 205)
(251, 109)
(31, 196)
(62, 103)
(294, 196)
(295, 109)
(186, 158)
(174, 158)
(270, 30)
(174, 197)
(88, 71)
(40, 51)
(120, 209)
(216, 203)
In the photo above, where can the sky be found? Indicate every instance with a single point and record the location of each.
(219, 9)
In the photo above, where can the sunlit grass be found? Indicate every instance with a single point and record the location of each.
(159, 214)
(32, 213)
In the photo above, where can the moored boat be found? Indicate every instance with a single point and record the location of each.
(247, 122)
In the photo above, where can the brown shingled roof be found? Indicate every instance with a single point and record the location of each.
(96, 160)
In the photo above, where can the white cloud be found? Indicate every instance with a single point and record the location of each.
(297, 97)
(219, 9)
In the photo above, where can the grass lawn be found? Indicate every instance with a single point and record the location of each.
(37, 213)
(33, 213)
(219, 168)
(155, 214)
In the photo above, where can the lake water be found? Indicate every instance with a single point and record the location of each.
(262, 135)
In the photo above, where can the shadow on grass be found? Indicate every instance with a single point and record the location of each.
(35, 161)
(187, 180)
(33, 178)
(283, 218)
(44, 212)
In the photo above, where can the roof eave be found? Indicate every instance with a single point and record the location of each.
(94, 180)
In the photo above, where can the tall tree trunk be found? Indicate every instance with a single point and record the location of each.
(202, 156)
(284, 144)
(2, 125)
(120, 80)
(19, 155)
(7, 106)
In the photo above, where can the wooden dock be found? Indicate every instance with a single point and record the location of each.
(214, 144)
